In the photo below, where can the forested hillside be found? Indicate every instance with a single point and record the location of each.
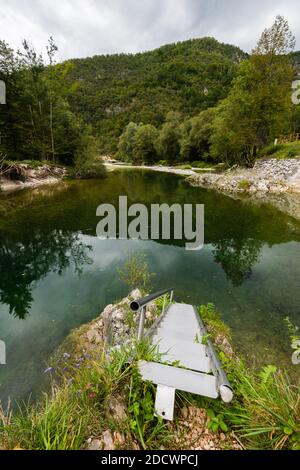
(193, 101)
(186, 77)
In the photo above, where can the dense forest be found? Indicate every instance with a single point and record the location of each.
(186, 77)
(197, 100)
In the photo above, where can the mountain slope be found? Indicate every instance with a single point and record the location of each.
(186, 77)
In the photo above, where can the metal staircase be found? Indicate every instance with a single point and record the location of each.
(189, 361)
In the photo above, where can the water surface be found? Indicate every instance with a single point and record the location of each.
(56, 275)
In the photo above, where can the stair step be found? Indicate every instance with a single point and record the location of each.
(189, 354)
(181, 322)
(187, 334)
(180, 379)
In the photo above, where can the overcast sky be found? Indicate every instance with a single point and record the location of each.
(88, 27)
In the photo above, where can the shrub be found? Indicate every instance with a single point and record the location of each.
(245, 184)
(90, 169)
(135, 273)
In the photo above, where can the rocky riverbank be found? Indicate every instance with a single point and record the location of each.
(267, 176)
(270, 181)
(24, 175)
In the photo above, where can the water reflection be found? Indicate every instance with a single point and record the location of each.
(25, 261)
(237, 257)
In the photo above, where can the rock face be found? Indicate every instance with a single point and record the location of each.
(117, 323)
(271, 175)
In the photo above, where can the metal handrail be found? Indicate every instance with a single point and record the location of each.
(136, 305)
(141, 304)
(225, 388)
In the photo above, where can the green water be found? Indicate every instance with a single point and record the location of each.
(56, 275)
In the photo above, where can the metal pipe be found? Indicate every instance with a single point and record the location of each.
(141, 324)
(136, 305)
(225, 388)
(164, 304)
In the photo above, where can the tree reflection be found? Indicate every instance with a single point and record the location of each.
(24, 262)
(237, 257)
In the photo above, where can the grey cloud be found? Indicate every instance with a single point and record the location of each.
(88, 27)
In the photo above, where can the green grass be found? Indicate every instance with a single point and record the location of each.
(282, 151)
(265, 412)
(183, 166)
(199, 165)
(204, 165)
(77, 408)
(213, 319)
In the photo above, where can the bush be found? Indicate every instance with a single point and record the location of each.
(245, 184)
(90, 169)
(135, 273)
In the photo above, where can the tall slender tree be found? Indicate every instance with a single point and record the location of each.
(259, 106)
(51, 51)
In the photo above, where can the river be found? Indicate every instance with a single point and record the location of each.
(55, 274)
